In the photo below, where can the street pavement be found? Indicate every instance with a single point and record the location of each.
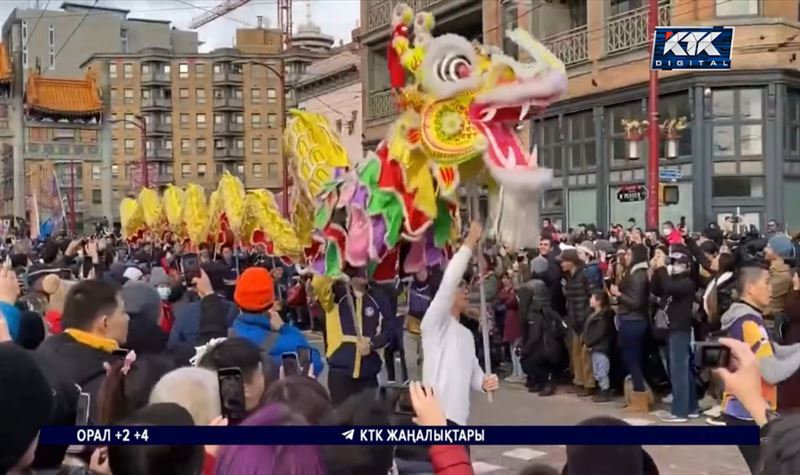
(513, 405)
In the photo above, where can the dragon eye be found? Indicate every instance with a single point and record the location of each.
(454, 67)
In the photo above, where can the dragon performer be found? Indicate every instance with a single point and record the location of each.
(460, 104)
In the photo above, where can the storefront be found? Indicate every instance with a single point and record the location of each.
(739, 151)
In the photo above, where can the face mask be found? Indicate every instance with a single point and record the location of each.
(666, 231)
(163, 292)
(674, 269)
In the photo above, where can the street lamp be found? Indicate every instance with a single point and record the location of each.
(284, 161)
(142, 126)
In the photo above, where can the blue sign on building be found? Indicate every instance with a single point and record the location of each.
(692, 48)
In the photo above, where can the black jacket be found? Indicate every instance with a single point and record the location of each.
(635, 294)
(599, 331)
(542, 327)
(577, 290)
(67, 363)
(677, 291)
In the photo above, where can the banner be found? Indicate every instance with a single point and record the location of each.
(397, 435)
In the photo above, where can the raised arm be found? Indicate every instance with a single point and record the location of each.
(439, 309)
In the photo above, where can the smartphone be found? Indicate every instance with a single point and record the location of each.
(190, 267)
(290, 363)
(711, 354)
(82, 409)
(398, 397)
(231, 394)
(304, 359)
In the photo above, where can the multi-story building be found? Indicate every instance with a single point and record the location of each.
(62, 145)
(464, 17)
(332, 87)
(6, 136)
(203, 113)
(58, 41)
(741, 149)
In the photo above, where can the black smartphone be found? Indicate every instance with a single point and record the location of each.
(190, 267)
(290, 363)
(231, 394)
(121, 352)
(304, 359)
(398, 397)
(711, 354)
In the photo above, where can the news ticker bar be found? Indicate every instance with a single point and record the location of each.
(395, 435)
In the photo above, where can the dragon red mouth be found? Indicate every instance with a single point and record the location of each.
(500, 112)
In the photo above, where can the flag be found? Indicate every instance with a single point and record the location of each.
(52, 207)
(34, 209)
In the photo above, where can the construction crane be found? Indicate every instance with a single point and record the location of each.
(227, 6)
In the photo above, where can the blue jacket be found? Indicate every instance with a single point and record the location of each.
(255, 327)
(420, 295)
(187, 323)
(12, 316)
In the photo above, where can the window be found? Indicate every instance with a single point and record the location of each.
(184, 120)
(219, 144)
(114, 146)
(738, 123)
(256, 170)
(200, 95)
(272, 145)
(129, 144)
(616, 141)
(256, 145)
(272, 96)
(272, 170)
(237, 93)
(255, 121)
(129, 121)
(167, 119)
(255, 96)
(24, 31)
(145, 94)
(240, 169)
(738, 186)
(201, 121)
(114, 95)
(219, 93)
(580, 140)
(115, 171)
(183, 71)
(123, 40)
(509, 24)
(219, 169)
(186, 170)
(183, 93)
(112, 70)
(201, 170)
(238, 118)
(737, 7)
(128, 96)
(200, 145)
(622, 6)
(219, 119)
(217, 68)
(168, 144)
(97, 197)
(146, 68)
(51, 58)
(127, 70)
(25, 56)
(186, 146)
(167, 68)
(673, 107)
(548, 143)
(272, 120)
(236, 68)
(200, 70)
(51, 36)
(96, 172)
(238, 144)
(791, 142)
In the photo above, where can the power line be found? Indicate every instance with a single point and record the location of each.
(29, 35)
(74, 30)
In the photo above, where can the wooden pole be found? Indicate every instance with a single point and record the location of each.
(475, 215)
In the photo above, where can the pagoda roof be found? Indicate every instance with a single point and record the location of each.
(5, 65)
(67, 97)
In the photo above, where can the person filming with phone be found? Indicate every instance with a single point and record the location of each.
(744, 321)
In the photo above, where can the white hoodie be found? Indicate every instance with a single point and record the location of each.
(450, 365)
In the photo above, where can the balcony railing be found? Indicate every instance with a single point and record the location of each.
(159, 153)
(380, 104)
(156, 102)
(155, 77)
(62, 150)
(228, 102)
(229, 153)
(159, 128)
(571, 47)
(379, 13)
(228, 76)
(627, 31)
(228, 128)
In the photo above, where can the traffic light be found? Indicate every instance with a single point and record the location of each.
(668, 194)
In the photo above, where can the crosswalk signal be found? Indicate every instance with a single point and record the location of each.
(668, 194)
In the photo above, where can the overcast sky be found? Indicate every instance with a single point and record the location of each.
(336, 17)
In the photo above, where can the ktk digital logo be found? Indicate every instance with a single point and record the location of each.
(695, 48)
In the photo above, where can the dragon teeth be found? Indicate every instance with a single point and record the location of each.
(523, 111)
(489, 115)
(533, 159)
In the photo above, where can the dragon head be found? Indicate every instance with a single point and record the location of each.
(467, 99)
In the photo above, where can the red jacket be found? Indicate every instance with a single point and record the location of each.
(450, 460)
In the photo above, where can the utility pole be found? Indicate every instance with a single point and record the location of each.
(72, 197)
(653, 130)
(145, 171)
